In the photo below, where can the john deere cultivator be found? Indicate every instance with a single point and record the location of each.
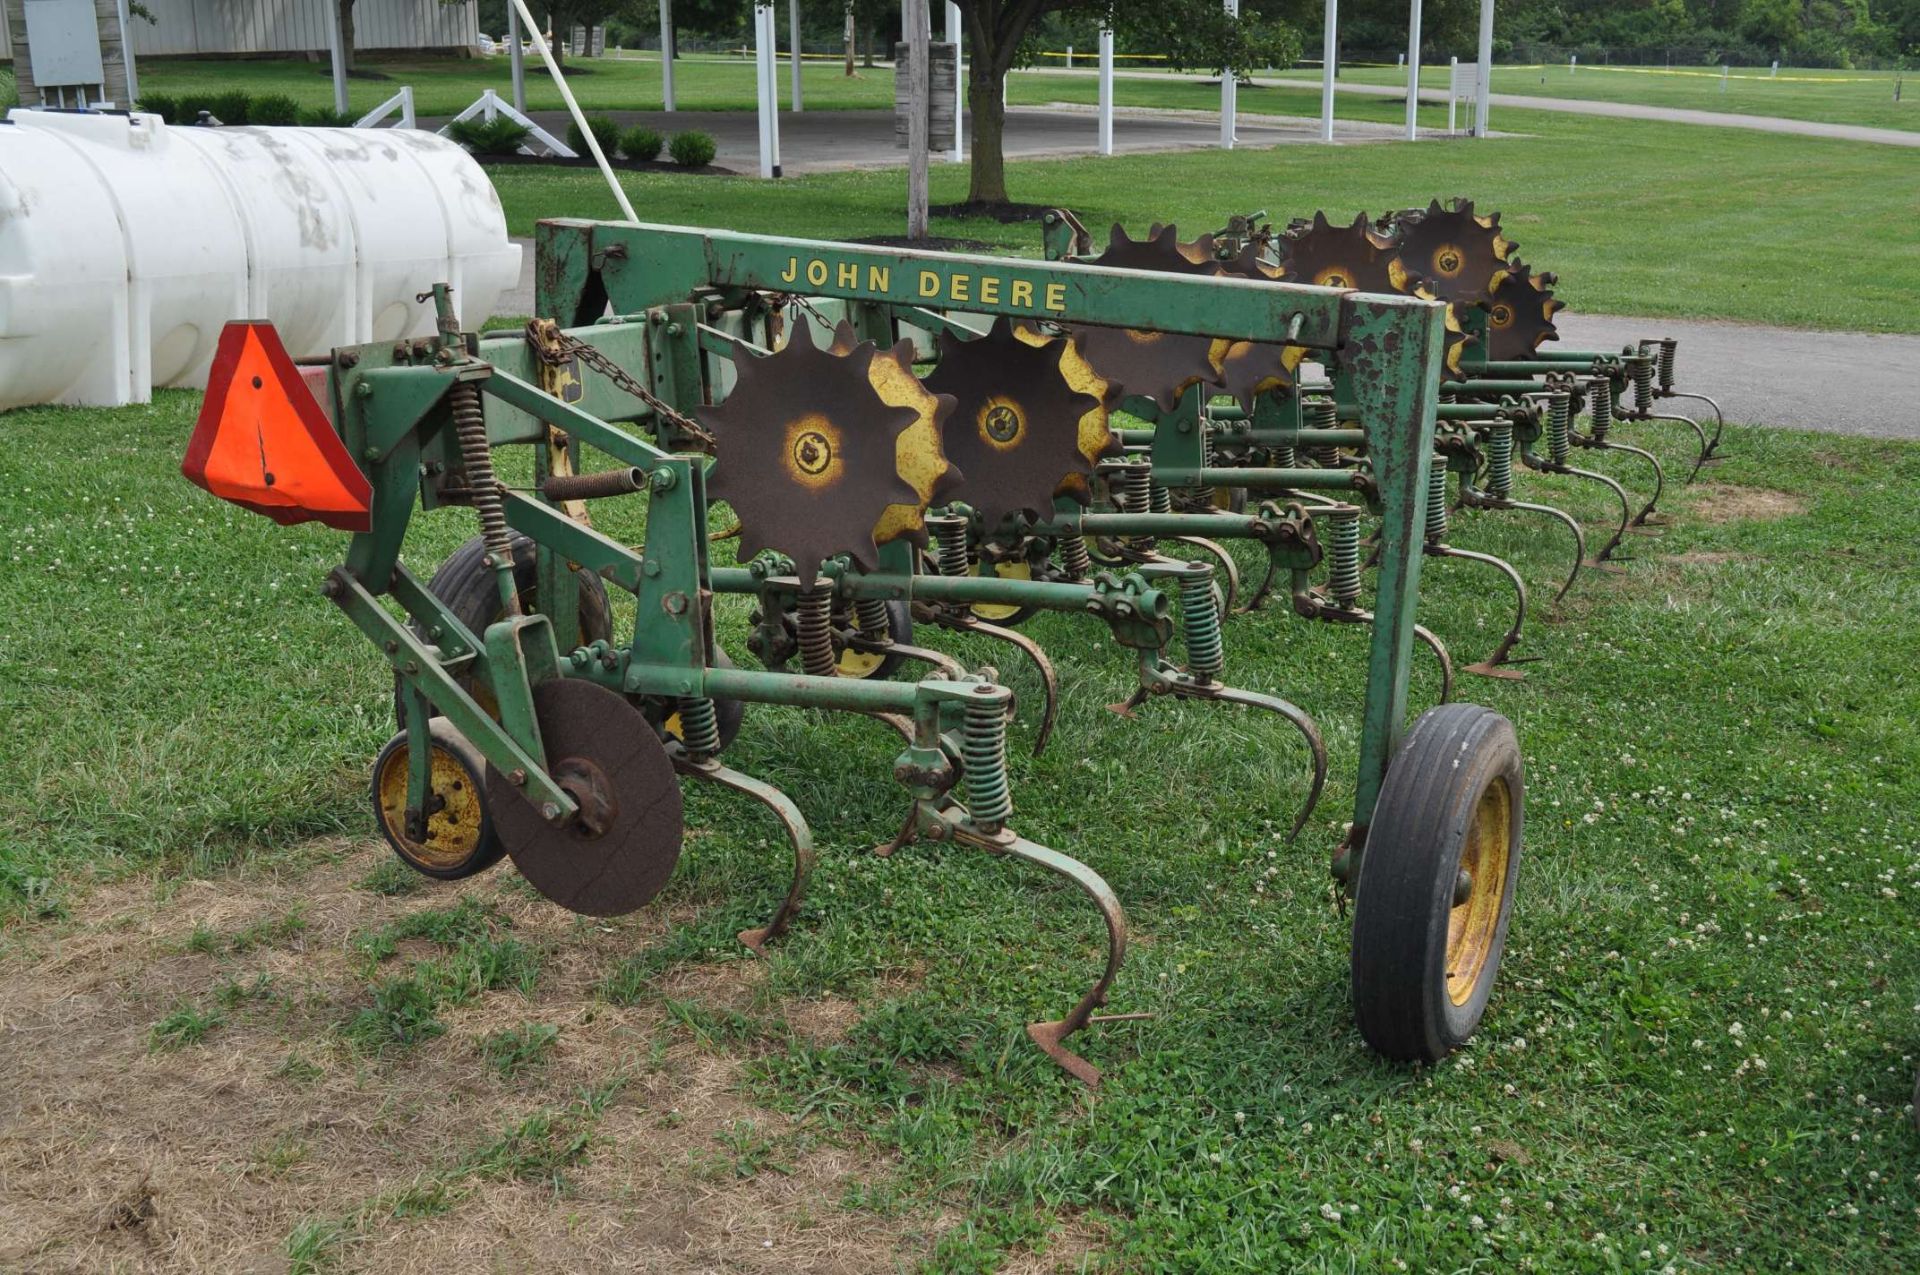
(1240, 408)
(868, 498)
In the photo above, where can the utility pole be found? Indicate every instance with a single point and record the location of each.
(913, 30)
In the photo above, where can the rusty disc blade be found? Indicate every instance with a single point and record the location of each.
(1016, 428)
(1351, 256)
(620, 850)
(806, 453)
(1520, 314)
(1454, 251)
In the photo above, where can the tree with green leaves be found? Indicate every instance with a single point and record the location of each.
(1194, 34)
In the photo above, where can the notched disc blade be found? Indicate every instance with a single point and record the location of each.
(622, 850)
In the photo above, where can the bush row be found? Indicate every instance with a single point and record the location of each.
(642, 144)
(235, 107)
(498, 136)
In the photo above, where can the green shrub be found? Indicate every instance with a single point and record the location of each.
(642, 145)
(160, 104)
(274, 108)
(497, 136)
(327, 117)
(9, 89)
(606, 131)
(692, 150)
(232, 107)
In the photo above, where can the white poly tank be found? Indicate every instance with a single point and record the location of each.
(126, 244)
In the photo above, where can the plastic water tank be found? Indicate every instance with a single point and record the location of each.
(125, 245)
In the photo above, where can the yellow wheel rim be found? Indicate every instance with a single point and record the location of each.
(453, 831)
(854, 663)
(1472, 925)
(994, 612)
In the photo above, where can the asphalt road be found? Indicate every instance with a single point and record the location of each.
(825, 141)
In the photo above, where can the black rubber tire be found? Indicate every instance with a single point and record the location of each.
(487, 850)
(466, 585)
(1454, 754)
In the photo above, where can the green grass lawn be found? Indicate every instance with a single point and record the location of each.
(1737, 237)
(443, 86)
(1698, 1057)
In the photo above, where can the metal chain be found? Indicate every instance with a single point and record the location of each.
(554, 347)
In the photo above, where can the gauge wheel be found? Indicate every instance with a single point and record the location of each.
(1000, 613)
(1436, 881)
(457, 838)
(466, 585)
(872, 664)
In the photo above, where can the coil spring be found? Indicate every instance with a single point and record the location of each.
(873, 618)
(983, 749)
(1323, 413)
(1500, 461)
(814, 619)
(1159, 499)
(1559, 426)
(1200, 623)
(1343, 556)
(1640, 368)
(470, 430)
(699, 727)
(1668, 346)
(1133, 488)
(1437, 500)
(1075, 559)
(950, 544)
(1600, 408)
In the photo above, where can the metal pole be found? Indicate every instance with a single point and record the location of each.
(517, 59)
(959, 83)
(913, 29)
(1413, 72)
(1329, 65)
(767, 88)
(793, 42)
(666, 52)
(1453, 71)
(1483, 91)
(1106, 92)
(1229, 92)
(339, 69)
(133, 79)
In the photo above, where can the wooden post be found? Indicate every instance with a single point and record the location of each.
(913, 31)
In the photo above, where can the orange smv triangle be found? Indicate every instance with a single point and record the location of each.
(263, 443)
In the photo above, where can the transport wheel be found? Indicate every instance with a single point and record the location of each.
(999, 613)
(457, 839)
(1436, 883)
(465, 583)
(871, 664)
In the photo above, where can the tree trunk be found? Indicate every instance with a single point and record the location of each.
(345, 10)
(868, 62)
(989, 175)
(850, 39)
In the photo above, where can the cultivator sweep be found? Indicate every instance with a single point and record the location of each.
(1503, 393)
(875, 500)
